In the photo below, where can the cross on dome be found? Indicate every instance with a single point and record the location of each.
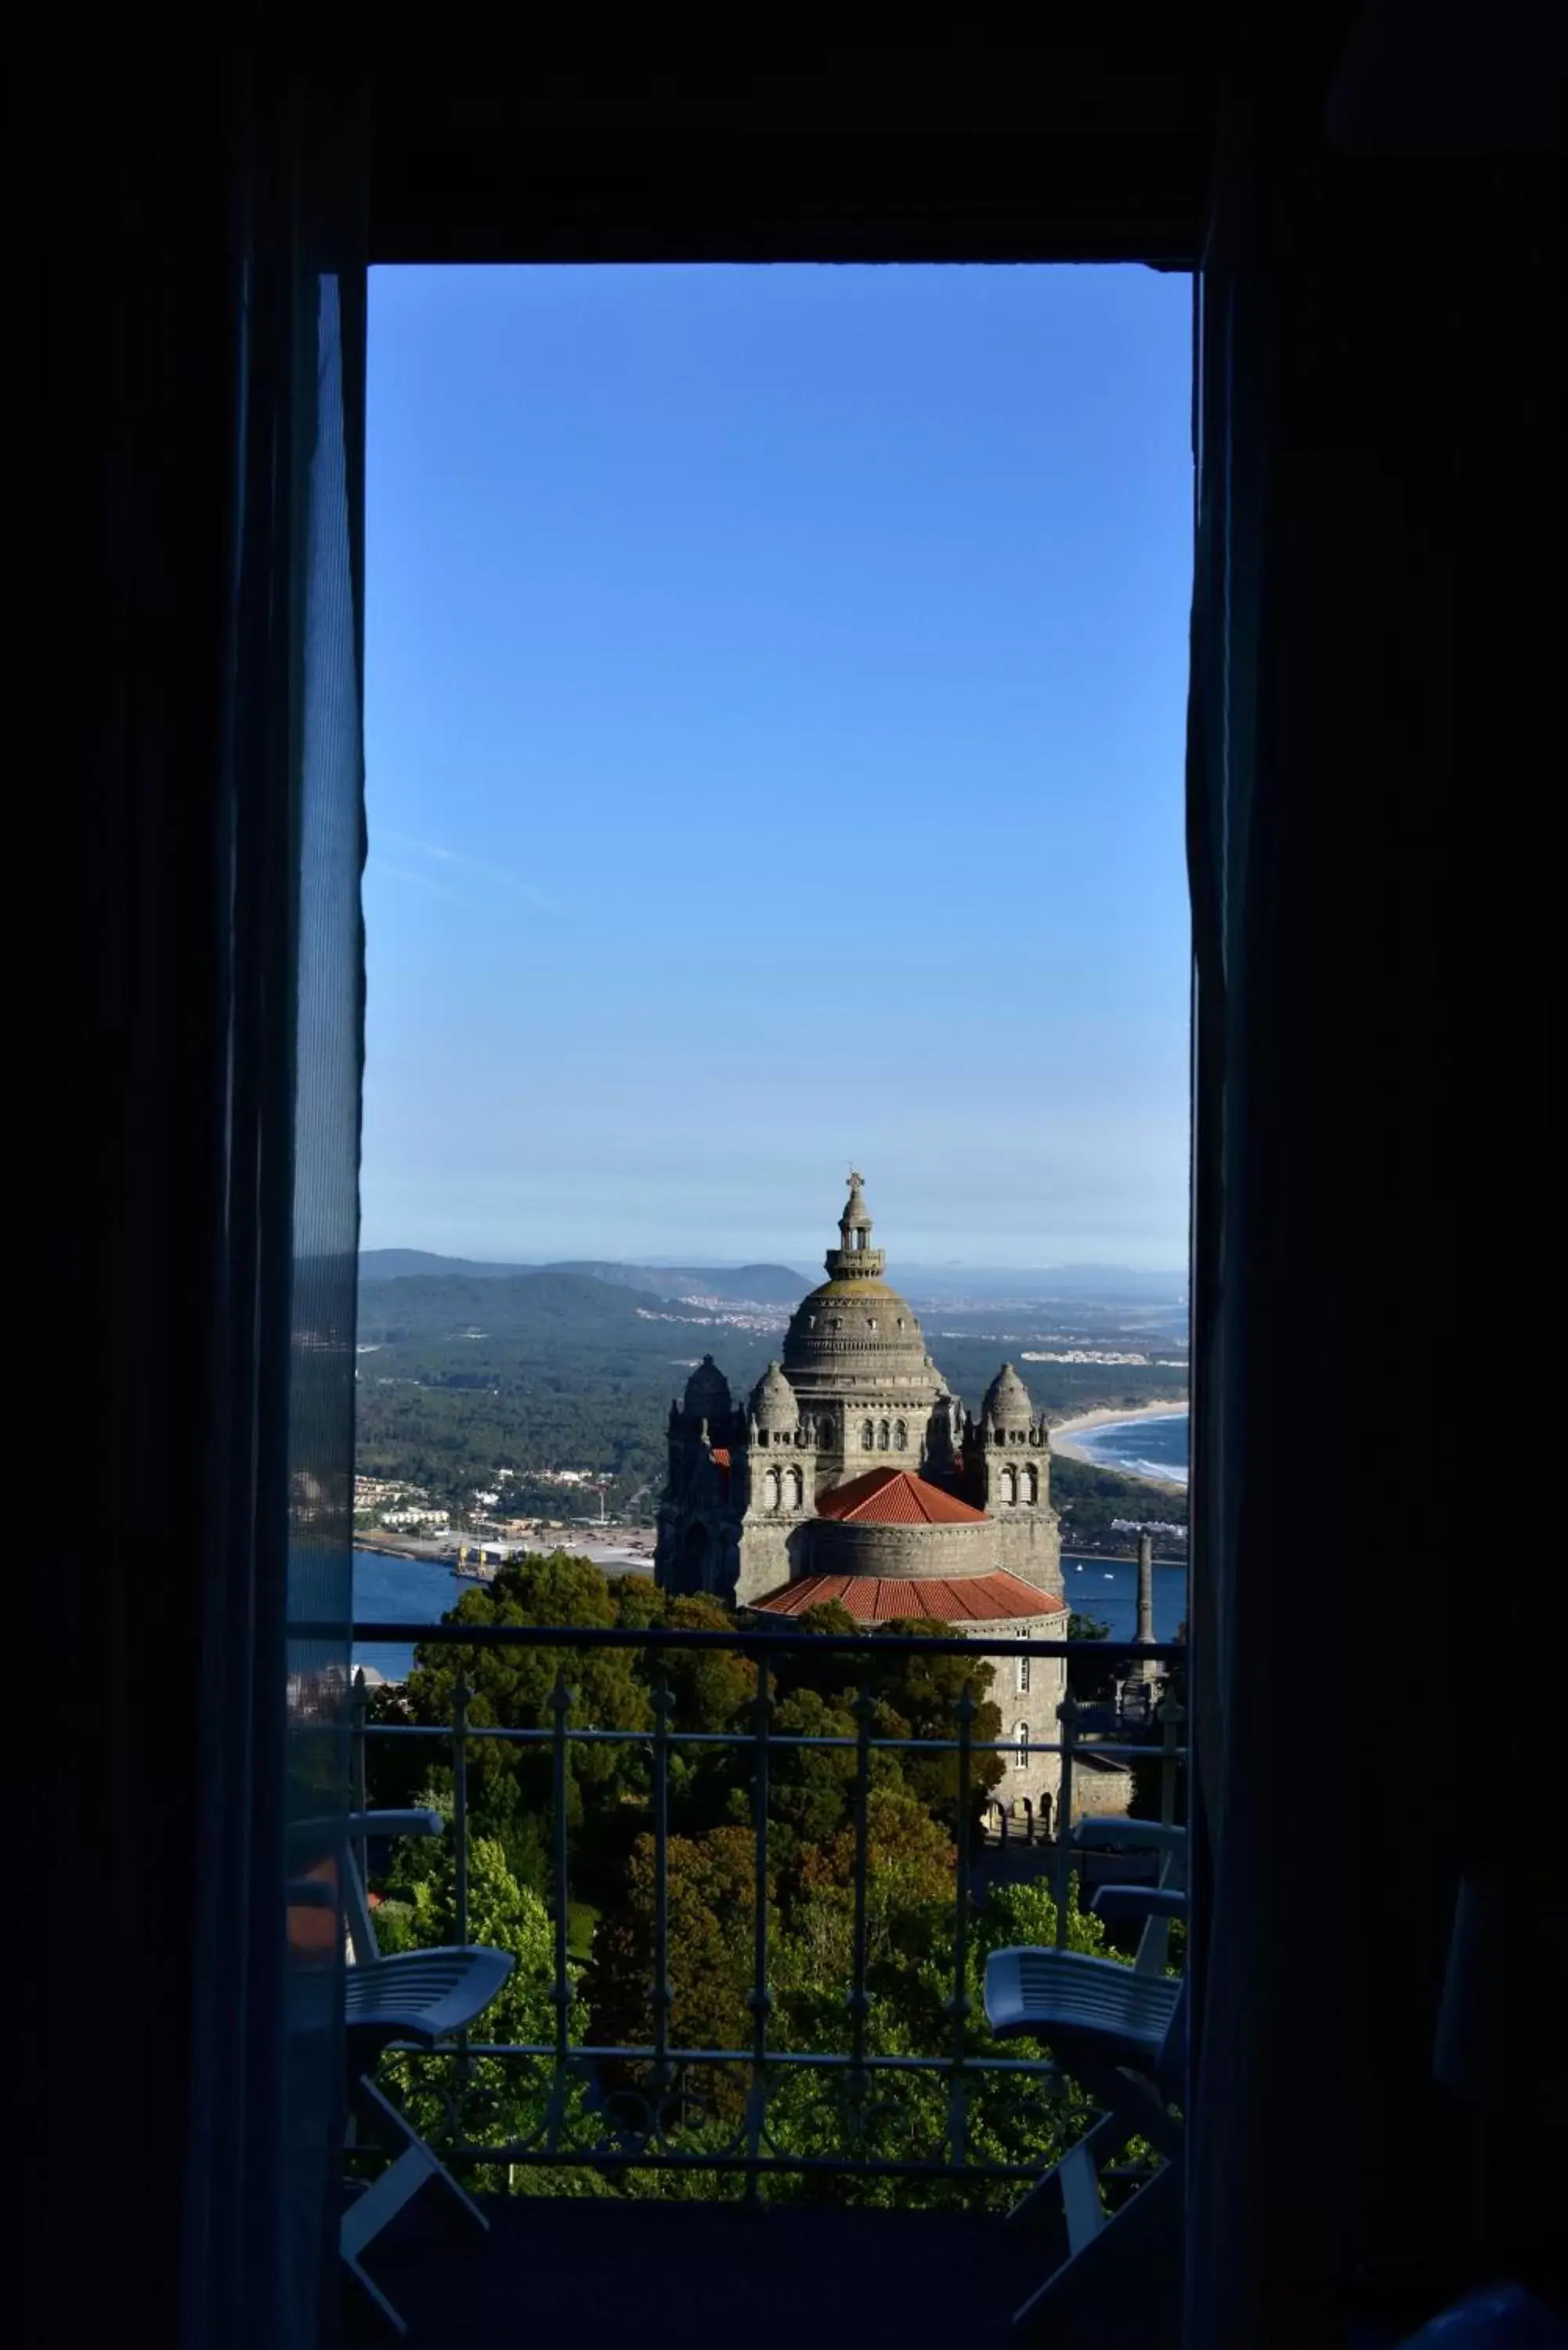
(855, 1255)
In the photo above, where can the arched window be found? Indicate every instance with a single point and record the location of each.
(1010, 1484)
(882, 1437)
(1031, 1483)
(901, 1436)
(1023, 1665)
(771, 1490)
(870, 1321)
(1021, 1746)
(794, 1490)
(867, 1435)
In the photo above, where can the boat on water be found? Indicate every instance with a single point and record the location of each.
(480, 1560)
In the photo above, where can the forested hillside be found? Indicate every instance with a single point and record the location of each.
(461, 1375)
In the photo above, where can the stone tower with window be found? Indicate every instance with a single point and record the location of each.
(1006, 1456)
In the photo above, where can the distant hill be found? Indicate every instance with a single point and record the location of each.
(1107, 1286)
(516, 1306)
(406, 1265)
(752, 1284)
(758, 1284)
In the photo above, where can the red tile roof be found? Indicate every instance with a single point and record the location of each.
(720, 1456)
(896, 1497)
(880, 1599)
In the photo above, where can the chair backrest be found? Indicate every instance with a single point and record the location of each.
(1170, 2064)
(1171, 1874)
(358, 1924)
(387, 1827)
(1153, 1954)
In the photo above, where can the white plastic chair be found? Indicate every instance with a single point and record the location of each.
(1119, 2031)
(418, 1999)
(1157, 1903)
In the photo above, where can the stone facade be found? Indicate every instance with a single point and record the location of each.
(1102, 1789)
(854, 1391)
(1006, 1469)
(852, 1461)
(1028, 1690)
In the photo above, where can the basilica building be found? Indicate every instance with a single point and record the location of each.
(852, 1473)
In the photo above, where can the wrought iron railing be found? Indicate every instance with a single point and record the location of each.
(563, 2102)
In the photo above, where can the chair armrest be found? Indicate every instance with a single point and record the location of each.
(1122, 1901)
(395, 1824)
(1114, 1832)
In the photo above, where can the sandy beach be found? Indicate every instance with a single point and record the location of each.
(1064, 1431)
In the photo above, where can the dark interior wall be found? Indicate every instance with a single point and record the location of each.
(120, 478)
(1379, 1237)
(968, 145)
(165, 492)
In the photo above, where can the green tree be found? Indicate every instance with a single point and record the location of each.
(511, 1787)
(713, 1689)
(812, 1788)
(923, 1693)
(711, 1896)
(495, 2100)
(1009, 2119)
(916, 1696)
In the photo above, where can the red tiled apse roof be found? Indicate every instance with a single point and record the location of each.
(895, 1497)
(881, 1598)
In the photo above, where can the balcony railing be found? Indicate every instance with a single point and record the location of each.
(840, 2099)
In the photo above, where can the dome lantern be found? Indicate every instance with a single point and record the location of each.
(1008, 1404)
(774, 1406)
(707, 1395)
(854, 1259)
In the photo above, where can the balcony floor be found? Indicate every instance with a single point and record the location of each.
(712, 2276)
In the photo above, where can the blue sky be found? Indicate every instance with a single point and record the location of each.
(775, 690)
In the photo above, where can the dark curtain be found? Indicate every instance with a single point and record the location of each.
(191, 538)
(1376, 755)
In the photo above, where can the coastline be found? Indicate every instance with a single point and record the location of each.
(1063, 1433)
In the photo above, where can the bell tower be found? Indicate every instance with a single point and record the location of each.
(1007, 1462)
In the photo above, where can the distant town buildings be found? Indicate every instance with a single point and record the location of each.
(400, 1508)
(1084, 1355)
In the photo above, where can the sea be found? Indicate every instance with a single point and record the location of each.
(416, 1591)
(1152, 1445)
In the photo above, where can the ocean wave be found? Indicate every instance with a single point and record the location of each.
(1163, 1473)
(1130, 1446)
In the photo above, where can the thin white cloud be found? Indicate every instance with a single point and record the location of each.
(421, 880)
(440, 855)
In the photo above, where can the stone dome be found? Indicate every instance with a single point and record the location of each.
(854, 1339)
(707, 1393)
(774, 1406)
(1007, 1401)
(859, 1336)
